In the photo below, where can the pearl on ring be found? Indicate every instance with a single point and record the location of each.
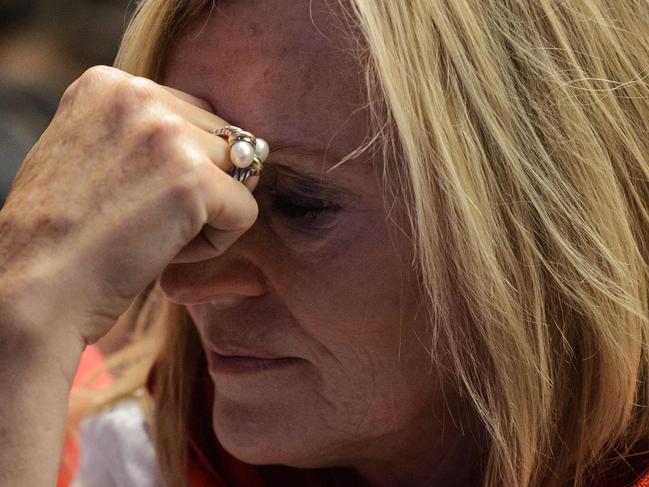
(242, 154)
(261, 149)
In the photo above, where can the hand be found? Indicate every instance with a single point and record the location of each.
(125, 180)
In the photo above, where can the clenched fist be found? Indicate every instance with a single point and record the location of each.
(126, 179)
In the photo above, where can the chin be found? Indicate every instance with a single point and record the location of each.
(258, 435)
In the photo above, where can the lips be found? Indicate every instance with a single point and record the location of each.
(236, 350)
(234, 359)
(244, 366)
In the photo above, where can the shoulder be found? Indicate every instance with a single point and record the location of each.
(117, 450)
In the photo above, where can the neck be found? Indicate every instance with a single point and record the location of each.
(441, 454)
(458, 466)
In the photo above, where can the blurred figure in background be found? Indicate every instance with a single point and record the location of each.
(44, 46)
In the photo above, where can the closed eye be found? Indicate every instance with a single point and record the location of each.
(302, 209)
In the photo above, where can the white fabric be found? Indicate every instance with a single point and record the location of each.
(116, 450)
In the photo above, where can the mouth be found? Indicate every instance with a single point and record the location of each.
(228, 364)
(230, 358)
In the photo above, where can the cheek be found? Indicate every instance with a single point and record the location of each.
(357, 290)
(360, 310)
(372, 391)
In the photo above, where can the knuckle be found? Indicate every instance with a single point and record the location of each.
(185, 186)
(161, 131)
(69, 94)
(100, 75)
(102, 84)
(167, 125)
(182, 193)
(139, 89)
(89, 80)
(128, 98)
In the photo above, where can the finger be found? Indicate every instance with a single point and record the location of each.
(208, 244)
(222, 150)
(198, 111)
(251, 182)
(228, 203)
(212, 242)
(231, 211)
(194, 100)
(199, 249)
(219, 153)
(216, 148)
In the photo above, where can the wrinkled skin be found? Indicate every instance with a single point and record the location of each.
(334, 290)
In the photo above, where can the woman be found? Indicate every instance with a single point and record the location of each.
(438, 278)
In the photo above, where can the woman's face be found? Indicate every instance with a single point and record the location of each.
(330, 288)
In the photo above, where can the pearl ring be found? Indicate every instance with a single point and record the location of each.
(247, 152)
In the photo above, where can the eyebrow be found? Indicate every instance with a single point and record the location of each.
(280, 149)
(305, 177)
(316, 176)
(301, 149)
(310, 183)
(278, 145)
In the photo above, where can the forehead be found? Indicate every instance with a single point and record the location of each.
(281, 69)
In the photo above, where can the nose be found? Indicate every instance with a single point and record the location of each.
(222, 284)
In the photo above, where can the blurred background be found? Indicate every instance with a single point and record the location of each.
(44, 46)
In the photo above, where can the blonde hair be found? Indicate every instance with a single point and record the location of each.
(516, 134)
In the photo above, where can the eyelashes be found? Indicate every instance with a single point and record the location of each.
(297, 201)
(300, 209)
